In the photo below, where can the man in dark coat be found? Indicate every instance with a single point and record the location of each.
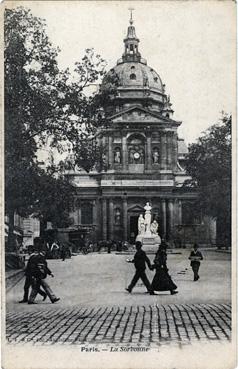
(195, 257)
(63, 252)
(39, 271)
(28, 280)
(140, 260)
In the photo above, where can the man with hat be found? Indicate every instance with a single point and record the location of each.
(140, 260)
(39, 271)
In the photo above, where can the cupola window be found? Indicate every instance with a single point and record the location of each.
(133, 76)
(156, 79)
(132, 68)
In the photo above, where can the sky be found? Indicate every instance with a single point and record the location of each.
(191, 45)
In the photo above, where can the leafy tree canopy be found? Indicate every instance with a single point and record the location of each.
(209, 164)
(45, 106)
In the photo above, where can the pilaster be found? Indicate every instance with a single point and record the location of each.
(110, 153)
(163, 145)
(111, 218)
(104, 219)
(148, 152)
(124, 205)
(171, 216)
(124, 152)
(164, 217)
(169, 150)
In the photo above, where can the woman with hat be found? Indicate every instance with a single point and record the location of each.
(162, 280)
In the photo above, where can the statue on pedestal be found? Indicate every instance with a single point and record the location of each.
(117, 156)
(147, 218)
(141, 225)
(147, 231)
(154, 227)
(155, 156)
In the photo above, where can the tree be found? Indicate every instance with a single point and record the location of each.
(209, 164)
(54, 198)
(43, 106)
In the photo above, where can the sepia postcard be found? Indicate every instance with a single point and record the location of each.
(119, 187)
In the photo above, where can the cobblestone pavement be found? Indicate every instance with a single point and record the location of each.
(145, 325)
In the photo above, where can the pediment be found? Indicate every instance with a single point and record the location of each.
(136, 208)
(136, 114)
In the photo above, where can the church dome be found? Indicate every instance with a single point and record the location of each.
(132, 82)
(136, 74)
(136, 83)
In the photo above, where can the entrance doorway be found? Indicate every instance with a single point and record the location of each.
(133, 228)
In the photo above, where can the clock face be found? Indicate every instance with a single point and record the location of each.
(136, 155)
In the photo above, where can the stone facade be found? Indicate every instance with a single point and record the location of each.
(144, 160)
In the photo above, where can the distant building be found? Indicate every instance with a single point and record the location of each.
(144, 162)
(31, 229)
(18, 228)
(25, 230)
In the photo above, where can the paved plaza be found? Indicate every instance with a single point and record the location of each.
(95, 308)
(144, 325)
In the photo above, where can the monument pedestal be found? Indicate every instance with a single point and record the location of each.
(149, 242)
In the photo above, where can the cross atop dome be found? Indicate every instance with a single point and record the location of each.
(131, 43)
(131, 19)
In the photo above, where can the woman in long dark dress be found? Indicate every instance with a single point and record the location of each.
(162, 280)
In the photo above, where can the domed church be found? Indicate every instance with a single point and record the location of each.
(144, 162)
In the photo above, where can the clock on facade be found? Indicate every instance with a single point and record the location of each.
(136, 155)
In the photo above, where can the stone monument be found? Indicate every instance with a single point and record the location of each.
(148, 231)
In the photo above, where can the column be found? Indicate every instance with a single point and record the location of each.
(163, 158)
(179, 212)
(110, 153)
(104, 142)
(105, 150)
(164, 220)
(148, 152)
(96, 217)
(124, 152)
(75, 211)
(94, 213)
(104, 219)
(171, 217)
(78, 211)
(111, 219)
(124, 219)
(169, 150)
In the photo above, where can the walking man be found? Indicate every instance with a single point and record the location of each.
(28, 280)
(195, 257)
(39, 271)
(140, 260)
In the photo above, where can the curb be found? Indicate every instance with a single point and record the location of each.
(13, 279)
(14, 274)
(224, 251)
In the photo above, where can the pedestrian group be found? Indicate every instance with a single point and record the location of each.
(36, 273)
(162, 281)
(37, 270)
